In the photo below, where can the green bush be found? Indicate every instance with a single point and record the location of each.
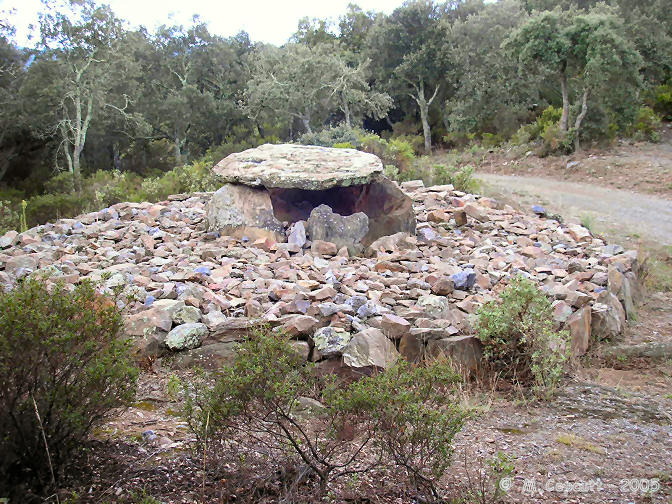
(344, 145)
(415, 416)
(9, 217)
(646, 126)
(490, 140)
(270, 393)
(327, 137)
(462, 178)
(62, 357)
(556, 141)
(49, 207)
(660, 100)
(63, 183)
(519, 340)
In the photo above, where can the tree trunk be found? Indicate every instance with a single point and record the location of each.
(346, 111)
(564, 119)
(116, 157)
(305, 119)
(580, 117)
(177, 143)
(423, 105)
(444, 118)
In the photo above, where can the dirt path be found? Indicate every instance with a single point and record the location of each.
(614, 211)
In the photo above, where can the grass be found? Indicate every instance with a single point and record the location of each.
(588, 221)
(659, 271)
(575, 441)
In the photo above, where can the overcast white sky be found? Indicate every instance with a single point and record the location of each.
(270, 21)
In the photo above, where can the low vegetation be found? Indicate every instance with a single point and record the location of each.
(519, 340)
(63, 368)
(404, 418)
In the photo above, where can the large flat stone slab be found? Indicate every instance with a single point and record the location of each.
(299, 167)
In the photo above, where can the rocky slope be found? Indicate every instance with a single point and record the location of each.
(192, 294)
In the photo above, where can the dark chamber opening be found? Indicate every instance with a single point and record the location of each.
(389, 210)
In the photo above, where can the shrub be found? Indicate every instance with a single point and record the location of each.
(9, 217)
(47, 207)
(490, 140)
(660, 99)
(462, 179)
(519, 339)
(60, 356)
(646, 126)
(327, 137)
(344, 145)
(556, 141)
(63, 183)
(414, 416)
(270, 395)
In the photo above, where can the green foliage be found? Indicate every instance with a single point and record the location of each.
(556, 141)
(490, 140)
(61, 352)
(519, 340)
(419, 399)
(660, 99)
(41, 209)
(270, 391)
(647, 124)
(63, 183)
(344, 145)
(462, 178)
(328, 137)
(9, 217)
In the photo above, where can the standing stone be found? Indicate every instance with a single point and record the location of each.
(347, 231)
(297, 234)
(242, 211)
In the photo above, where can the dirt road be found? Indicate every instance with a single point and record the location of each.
(612, 211)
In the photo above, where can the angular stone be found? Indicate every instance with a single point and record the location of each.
(296, 325)
(443, 286)
(394, 327)
(149, 322)
(412, 346)
(9, 239)
(477, 212)
(608, 317)
(464, 351)
(330, 341)
(297, 234)
(579, 324)
(242, 211)
(187, 315)
(210, 357)
(465, 279)
(25, 262)
(434, 306)
(324, 248)
(370, 348)
(186, 336)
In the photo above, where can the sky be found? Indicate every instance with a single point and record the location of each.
(271, 21)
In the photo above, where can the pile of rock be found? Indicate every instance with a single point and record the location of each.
(198, 292)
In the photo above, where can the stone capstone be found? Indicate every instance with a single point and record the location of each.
(293, 166)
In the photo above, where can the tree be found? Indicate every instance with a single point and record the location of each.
(588, 48)
(300, 82)
(79, 41)
(485, 92)
(407, 48)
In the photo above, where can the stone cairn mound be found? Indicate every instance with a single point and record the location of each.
(352, 300)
